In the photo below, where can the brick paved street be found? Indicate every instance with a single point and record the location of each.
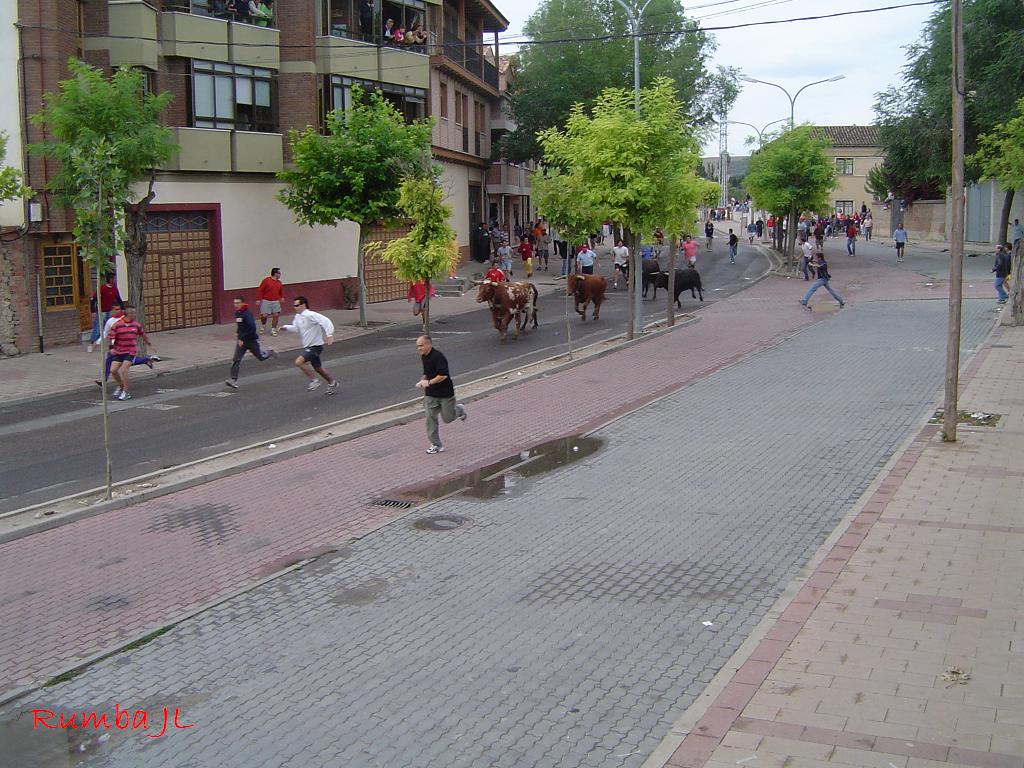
(563, 626)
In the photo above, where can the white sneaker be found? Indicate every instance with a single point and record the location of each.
(89, 348)
(117, 393)
(313, 385)
(463, 415)
(124, 396)
(435, 449)
(273, 332)
(332, 388)
(231, 383)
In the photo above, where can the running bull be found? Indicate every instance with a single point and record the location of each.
(514, 303)
(686, 279)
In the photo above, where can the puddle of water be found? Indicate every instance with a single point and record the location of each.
(502, 477)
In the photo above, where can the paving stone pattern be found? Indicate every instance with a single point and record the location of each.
(563, 625)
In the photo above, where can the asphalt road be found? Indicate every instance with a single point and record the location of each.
(52, 447)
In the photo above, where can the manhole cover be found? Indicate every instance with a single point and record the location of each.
(393, 503)
(440, 523)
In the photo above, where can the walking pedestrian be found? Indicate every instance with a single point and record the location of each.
(709, 232)
(505, 257)
(248, 340)
(851, 238)
(124, 336)
(734, 243)
(585, 260)
(868, 225)
(1016, 232)
(1002, 271)
(544, 252)
(819, 236)
(525, 250)
(806, 255)
(899, 237)
(438, 392)
(751, 232)
(104, 302)
(823, 280)
(269, 296)
(620, 254)
(314, 331)
(760, 227)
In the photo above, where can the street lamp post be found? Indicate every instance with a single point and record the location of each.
(760, 131)
(792, 99)
(636, 308)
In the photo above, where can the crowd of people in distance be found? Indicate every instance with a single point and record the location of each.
(415, 36)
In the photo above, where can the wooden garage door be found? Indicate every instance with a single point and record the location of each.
(381, 283)
(177, 284)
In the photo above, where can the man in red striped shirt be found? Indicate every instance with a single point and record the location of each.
(123, 347)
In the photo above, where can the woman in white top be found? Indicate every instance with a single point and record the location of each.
(621, 261)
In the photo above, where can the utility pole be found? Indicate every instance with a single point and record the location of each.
(635, 326)
(956, 244)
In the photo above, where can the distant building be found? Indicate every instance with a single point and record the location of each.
(855, 150)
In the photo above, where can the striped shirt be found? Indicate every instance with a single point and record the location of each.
(124, 336)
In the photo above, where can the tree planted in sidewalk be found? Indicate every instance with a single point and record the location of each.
(792, 174)
(638, 169)
(11, 188)
(1001, 157)
(430, 248)
(355, 170)
(116, 118)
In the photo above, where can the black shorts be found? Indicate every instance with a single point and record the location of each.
(899, 246)
(587, 270)
(126, 357)
(312, 355)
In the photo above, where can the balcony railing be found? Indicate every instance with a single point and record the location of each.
(491, 74)
(220, 9)
(469, 58)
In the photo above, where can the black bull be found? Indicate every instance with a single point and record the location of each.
(686, 279)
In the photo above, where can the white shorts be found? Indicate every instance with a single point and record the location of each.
(270, 307)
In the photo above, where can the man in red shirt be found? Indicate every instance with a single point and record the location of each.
(495, 274)
(124, 345)
(108, 299)
(526, 251)
(269, 295)
(851, 237)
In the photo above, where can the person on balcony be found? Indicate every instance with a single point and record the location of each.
(389, 30)
(262, 12)
(416, 37)
(366, 17)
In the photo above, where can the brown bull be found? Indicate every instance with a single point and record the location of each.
(586, 289)
(509, 302)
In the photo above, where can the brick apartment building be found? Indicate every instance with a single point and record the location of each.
(215, 227)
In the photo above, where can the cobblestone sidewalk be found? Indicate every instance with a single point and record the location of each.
(904, 647)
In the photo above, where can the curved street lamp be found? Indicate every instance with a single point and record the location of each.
(792, 99)
(760, 131)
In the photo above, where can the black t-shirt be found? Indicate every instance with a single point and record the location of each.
(435, 364)
(733, 240)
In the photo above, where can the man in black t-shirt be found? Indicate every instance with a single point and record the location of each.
(438, 392)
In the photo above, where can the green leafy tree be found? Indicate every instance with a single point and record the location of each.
(11, 187)
(89, 113)
(430, 248)
(875, 183)
(560, 197)
(1001, 157)
(792, 174)
(355, 170)
(636, 169)
(565, 67)
(918, 112)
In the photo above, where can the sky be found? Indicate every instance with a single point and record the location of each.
(867, 49)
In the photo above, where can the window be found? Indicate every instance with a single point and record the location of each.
(59, 275)
(411, 102)
(443, 95)
(844, 166)
(460, 108)
(844, 206)
(406, 15)
(233, 97)
(349, 18)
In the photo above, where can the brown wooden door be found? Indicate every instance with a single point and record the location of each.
(177, 283)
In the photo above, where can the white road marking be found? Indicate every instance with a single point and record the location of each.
(158, 407)
(217, 394)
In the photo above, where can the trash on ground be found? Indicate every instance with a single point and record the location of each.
(955, 676)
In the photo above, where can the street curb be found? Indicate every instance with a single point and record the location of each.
(409, 410)
(686, 722)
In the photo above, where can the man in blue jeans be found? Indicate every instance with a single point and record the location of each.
(1002, 271)
(823, 278)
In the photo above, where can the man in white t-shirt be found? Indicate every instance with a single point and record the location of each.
(807, 251)
(620, 254)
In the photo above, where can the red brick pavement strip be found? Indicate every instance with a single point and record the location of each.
(70, 592)
(724, 713)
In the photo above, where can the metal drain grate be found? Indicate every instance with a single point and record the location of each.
(393, 503)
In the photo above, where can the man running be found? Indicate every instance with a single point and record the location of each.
(585, 260)
(851, 238)
(248, 340)
(525, 250)
(124, 336)
(709, 232)
(269, 296)
(690, 249)
(620, 254)
(823, 280)
(314, 331)
(495, 274)
(438, 392)
(116, 315)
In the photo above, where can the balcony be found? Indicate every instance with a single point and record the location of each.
(132, 25)
(201, 36)
(219, 151)
(506, 179)
(455, 49)
(218, 9)
(397, 65)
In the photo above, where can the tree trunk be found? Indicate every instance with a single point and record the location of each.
(108, 472)
(671, 315)
(360, 271)
(135, 249)
(791, 240)
(1017, 276)
(425, 314)
(1004, 215)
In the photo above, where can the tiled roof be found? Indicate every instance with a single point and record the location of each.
(851, 135)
